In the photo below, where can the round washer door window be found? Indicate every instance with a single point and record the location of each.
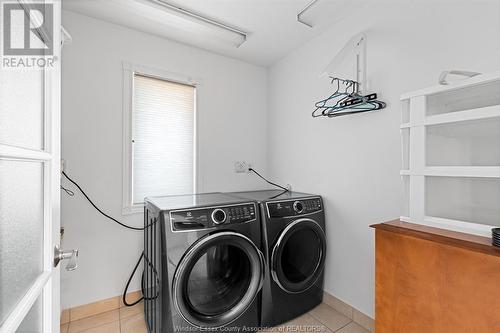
(298, 257)
(218, 279)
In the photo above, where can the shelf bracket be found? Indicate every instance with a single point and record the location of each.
(355, 47)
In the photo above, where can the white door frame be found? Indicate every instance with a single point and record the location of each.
(47, 283)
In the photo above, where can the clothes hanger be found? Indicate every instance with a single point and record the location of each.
(376, 105)
(348, 102)
(321, 105)
(337, 97)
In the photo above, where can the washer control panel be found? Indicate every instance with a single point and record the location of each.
(241, 213)
(203, 218)
(293, 207)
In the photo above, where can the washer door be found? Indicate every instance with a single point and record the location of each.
(217, 279)
(298, 257)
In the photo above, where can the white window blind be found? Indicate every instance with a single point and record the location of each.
(162, 138)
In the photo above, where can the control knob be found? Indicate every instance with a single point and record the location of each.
(298, 207)
(218, 216)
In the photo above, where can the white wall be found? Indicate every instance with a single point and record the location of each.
(232, 104)
(354, 161)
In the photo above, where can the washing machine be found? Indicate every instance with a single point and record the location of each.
(203, 266)
(294, 243)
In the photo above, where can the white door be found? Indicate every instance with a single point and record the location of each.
(29, 188)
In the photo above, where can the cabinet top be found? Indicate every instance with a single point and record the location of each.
(443, 236)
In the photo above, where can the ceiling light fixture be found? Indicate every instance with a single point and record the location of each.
(301, 13)
(188, 21)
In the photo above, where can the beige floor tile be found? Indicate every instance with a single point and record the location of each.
(329, 317)
(94, 321)
(134, 324)
(352, 328)
(131, 310)
(64, 328)
(113, 327)
(95, 308)
(304, 323)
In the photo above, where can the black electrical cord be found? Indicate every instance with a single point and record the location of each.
(267, 181)
(142, 283)
(98, 209)
(138, 229)
(70, 193)
(278, 195)
(124, 297)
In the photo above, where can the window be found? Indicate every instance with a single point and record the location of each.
(161, 139)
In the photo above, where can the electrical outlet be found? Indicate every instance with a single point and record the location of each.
(241, 166)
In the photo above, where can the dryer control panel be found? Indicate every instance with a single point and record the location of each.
(203, 218)
(293, 207)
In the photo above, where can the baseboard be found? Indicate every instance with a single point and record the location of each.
(350, 312)
(92, 309)
(113, 303)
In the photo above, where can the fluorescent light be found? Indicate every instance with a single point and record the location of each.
(184, 20)
(301, 15)
(322, 12)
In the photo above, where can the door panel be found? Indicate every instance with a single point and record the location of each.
(33, 322)
(218, 279)
(21, 230)
(298, 256)
(16, 108)
(301, 254)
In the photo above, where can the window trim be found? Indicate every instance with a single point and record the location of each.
(129, 69)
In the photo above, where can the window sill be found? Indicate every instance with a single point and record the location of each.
(134, 209)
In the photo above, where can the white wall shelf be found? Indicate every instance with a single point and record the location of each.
(456, 171)
(455, 225)
(452, 117)
(463, 171)
(450, 137)
(461, 226)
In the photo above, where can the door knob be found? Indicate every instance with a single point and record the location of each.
(72, 255)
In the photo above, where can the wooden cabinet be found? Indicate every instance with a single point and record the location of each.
(435, 280)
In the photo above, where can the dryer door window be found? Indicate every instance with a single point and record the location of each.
(218, 279)
(298, 256)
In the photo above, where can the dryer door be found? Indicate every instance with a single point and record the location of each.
(218, 279)
(298, 256)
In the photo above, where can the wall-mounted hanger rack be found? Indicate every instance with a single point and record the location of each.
(355, 47)
(348, 98)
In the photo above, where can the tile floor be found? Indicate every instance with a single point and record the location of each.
(322, 319)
